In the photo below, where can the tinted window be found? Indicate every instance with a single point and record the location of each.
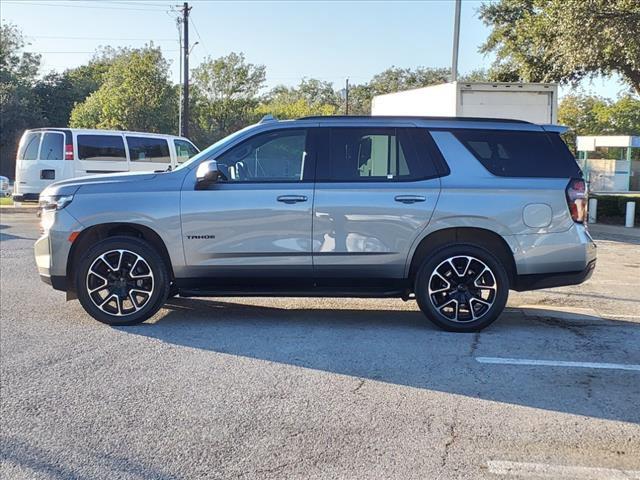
(184, 150)
(52, 146)
(520, 154)
(274, 157)
(375, 154)
(146, 149)
(101, 147)
(29, 146)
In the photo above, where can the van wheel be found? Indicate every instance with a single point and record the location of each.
(462, 288)
(122, 281)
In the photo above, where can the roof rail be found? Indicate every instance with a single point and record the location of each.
(414, 117)
(268, 118)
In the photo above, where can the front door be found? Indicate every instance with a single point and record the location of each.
(376, 189)
(252, 228)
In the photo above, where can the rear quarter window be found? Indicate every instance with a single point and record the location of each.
(101, 147)
(507, 153)
(29, 146)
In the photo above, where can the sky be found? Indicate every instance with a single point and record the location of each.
(328, 40)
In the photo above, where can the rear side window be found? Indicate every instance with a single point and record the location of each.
(29, 146)
(375, 154)
(52, 146)
(101, 147)
(508, 153)
(145, 149)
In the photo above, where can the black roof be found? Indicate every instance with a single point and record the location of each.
(410, 117)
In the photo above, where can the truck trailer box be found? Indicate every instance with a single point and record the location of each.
(533, 102)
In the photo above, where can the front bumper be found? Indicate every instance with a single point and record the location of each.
(52, 249)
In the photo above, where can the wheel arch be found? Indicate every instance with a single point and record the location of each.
(480, 237)
(96, 233)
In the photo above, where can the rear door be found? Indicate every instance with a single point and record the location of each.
(100, 153)
(376, 189)
(40, 161)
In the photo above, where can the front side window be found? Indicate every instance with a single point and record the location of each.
(268, 157)
(101, 147)
(146, 149)
(29, 146)
(52, 146)
(184, 150)
(372, 154)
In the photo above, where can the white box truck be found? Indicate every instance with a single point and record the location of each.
(533, 102)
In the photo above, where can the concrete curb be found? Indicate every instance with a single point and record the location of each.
(11, 209)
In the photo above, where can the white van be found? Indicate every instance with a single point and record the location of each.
(47, 155)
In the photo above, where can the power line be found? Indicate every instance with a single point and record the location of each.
(101, 38)
(77, 5)
(65, 52)
(204, 44)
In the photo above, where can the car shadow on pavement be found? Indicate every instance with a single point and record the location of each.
(401, 347)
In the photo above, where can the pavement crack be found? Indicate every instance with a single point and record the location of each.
(360, 384)
(453, 436)
(474, 343)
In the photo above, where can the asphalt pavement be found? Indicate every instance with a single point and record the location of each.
(321, 388)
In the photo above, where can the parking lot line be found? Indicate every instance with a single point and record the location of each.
(545, 470)
(558, 363)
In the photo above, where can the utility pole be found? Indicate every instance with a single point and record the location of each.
(185, 66)
(456, 42)
(346, 97)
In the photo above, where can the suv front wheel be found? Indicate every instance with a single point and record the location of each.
(462, 288)
(122, 281)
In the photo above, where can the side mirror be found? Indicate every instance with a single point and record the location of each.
(207, 173)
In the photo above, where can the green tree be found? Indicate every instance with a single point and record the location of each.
(136, 94)
(563, 40)
(18, 110)
(310, 97)
(225, 95)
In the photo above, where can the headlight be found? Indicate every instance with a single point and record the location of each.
(55, 202)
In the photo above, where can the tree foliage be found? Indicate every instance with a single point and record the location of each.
(593, 115)
(310, 97)
(18, 108)
(225, 94)
(563, 40)
(136, 94)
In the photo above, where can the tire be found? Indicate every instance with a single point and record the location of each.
(462, 288)
(122, 281)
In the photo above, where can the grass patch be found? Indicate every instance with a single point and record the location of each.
(6, 201)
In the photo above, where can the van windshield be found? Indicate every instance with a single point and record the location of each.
(29, 146)
(207, 151)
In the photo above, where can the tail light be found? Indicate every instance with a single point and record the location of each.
(68, 151)
(577, 199)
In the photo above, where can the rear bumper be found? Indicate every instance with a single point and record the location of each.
(551, 280)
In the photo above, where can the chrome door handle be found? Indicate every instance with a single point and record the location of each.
(292, 198)
(410, 198)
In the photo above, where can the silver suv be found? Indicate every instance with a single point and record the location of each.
(453, 212)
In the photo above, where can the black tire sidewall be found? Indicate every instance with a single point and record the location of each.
(155, 262)
(424, 274)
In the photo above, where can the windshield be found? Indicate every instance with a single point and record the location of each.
(207, 151)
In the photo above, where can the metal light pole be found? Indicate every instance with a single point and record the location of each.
(456, 42)
(346, 97)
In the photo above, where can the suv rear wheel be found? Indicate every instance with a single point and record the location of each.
(462, 288)
(122, 281)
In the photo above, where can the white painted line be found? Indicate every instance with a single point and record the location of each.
(558, 363)
(565, 472)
